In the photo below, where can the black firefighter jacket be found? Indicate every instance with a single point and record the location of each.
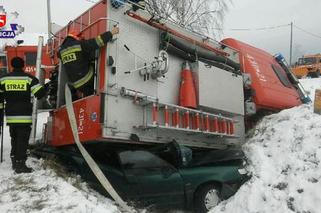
(16, 88)
(76, 56)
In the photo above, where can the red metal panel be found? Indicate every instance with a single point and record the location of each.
(98, 11)
(87, 112)
(84, 20)
(89, 21)
(85, 25)
(270, 93)
(77, 25)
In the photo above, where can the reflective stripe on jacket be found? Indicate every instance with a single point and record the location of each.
(77, 56)
(16, 88)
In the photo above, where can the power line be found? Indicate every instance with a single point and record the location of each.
(91, 1)
(269, 28)
(254, 29)
(303, 30)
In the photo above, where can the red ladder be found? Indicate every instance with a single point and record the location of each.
(168, 116)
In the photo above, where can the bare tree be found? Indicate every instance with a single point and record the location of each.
(204, 16)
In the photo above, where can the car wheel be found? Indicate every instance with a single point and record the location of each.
(317, 74)
(206, 198)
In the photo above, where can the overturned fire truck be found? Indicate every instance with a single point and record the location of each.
(157, 83)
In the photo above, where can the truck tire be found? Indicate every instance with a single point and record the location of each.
(207, 197)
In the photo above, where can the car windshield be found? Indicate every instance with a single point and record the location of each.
(307, 61)
(181, 156)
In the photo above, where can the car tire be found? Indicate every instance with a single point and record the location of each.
(207, 197)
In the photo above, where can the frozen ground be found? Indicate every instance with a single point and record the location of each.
(284, 155)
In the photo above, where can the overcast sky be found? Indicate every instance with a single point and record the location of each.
(249, 14)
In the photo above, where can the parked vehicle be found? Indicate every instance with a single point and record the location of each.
(29, 54)
(308, 66)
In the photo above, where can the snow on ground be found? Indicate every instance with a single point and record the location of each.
(46, 189)
(310, 85)
(284, 156)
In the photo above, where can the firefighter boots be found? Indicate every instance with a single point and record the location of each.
(20, 167)
(13, 162)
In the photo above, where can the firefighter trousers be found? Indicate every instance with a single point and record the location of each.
(88, 88)
(19, 141)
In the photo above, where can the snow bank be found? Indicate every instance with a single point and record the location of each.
(310, 85)
(44, 190)
(284, 157)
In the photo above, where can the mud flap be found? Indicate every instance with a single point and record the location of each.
(90, 161)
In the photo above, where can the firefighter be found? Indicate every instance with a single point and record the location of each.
(16, 88)
(77, 57)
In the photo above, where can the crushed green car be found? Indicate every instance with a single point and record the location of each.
(166, 175)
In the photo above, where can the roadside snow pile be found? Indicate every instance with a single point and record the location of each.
(284, 156)
(45, 190)
(310, 85)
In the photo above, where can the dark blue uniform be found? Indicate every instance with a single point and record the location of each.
(16, 88)
(77, 55)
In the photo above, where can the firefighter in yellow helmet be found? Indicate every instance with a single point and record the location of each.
(77, 54)
(16, 88)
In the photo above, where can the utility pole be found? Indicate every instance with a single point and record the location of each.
(291, 44)
(49, 19)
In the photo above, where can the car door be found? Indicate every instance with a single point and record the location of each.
(155, 180)
(111, 170)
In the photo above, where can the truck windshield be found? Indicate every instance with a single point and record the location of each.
(307, 61)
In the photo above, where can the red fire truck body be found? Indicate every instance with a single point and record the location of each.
(101, 117)
(29, 54)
